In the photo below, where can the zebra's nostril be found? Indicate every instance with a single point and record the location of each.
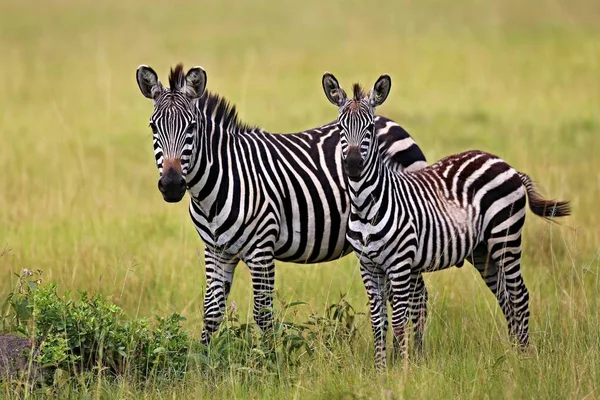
(161, 185)
(182, 184)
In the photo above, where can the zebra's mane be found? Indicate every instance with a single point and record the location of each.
(358, 92)
(219, 109)
(177, 77)
(358, 95)
(223, 113)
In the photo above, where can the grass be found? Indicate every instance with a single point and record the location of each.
(518, 79)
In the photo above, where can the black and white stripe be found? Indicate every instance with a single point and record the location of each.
(255, 196)
(468, 206)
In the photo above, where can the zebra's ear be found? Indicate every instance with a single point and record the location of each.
(380, 90)
(195, 82)
(148, 83)
(335, 94)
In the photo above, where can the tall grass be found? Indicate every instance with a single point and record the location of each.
(78, 193)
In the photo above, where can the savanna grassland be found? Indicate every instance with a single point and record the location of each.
(520, 79)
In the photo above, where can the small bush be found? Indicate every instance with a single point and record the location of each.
(92, 333)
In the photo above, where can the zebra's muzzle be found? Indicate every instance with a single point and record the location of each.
(353, 162)
(172, 185)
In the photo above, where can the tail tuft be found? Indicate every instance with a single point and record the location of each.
(539, 206)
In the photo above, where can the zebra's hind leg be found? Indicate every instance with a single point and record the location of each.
(261, 264)
(418, 309)
(219, 276)
(400, 282)
(507, 255)
(375, 284)
(495, 280)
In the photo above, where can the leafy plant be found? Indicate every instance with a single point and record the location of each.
(16, 309)
(93, 334)
(337, 326)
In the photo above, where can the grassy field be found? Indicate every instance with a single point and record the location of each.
(78, 195)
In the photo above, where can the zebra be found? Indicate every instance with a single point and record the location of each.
(254, 196)
(468, 206)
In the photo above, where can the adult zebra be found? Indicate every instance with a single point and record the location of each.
(468, 206)
(255, 196)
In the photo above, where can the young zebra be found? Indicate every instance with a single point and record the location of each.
(254, 196)
(468, 206)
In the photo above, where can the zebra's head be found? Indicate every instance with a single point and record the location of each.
(173, 123)
(356, 119)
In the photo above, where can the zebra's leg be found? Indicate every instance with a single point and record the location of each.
(507, 255)
(401, 284)
(418, 309)
(495, 280)
(261, 264)
(374, 281)
(219, 276)
(382, 282)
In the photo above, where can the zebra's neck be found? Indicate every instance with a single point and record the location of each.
(214, 146)
(366, 190)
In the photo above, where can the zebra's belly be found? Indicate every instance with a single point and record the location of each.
(439, 255)
(448, 238)
(312, 226)
(322, 240)
(332, 255)
(235, 235)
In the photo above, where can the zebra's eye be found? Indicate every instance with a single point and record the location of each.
(154, 129)
(190, 129)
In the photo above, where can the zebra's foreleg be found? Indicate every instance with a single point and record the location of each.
(262, 270)
(374, 281)
(400, 279)
(418, 309)
(219, 276)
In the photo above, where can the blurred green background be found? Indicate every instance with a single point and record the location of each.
(78, 195)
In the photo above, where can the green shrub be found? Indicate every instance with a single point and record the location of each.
(93, 334)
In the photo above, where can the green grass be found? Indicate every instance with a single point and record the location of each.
(78, 195)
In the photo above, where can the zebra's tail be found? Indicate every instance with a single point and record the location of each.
(540, 206)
